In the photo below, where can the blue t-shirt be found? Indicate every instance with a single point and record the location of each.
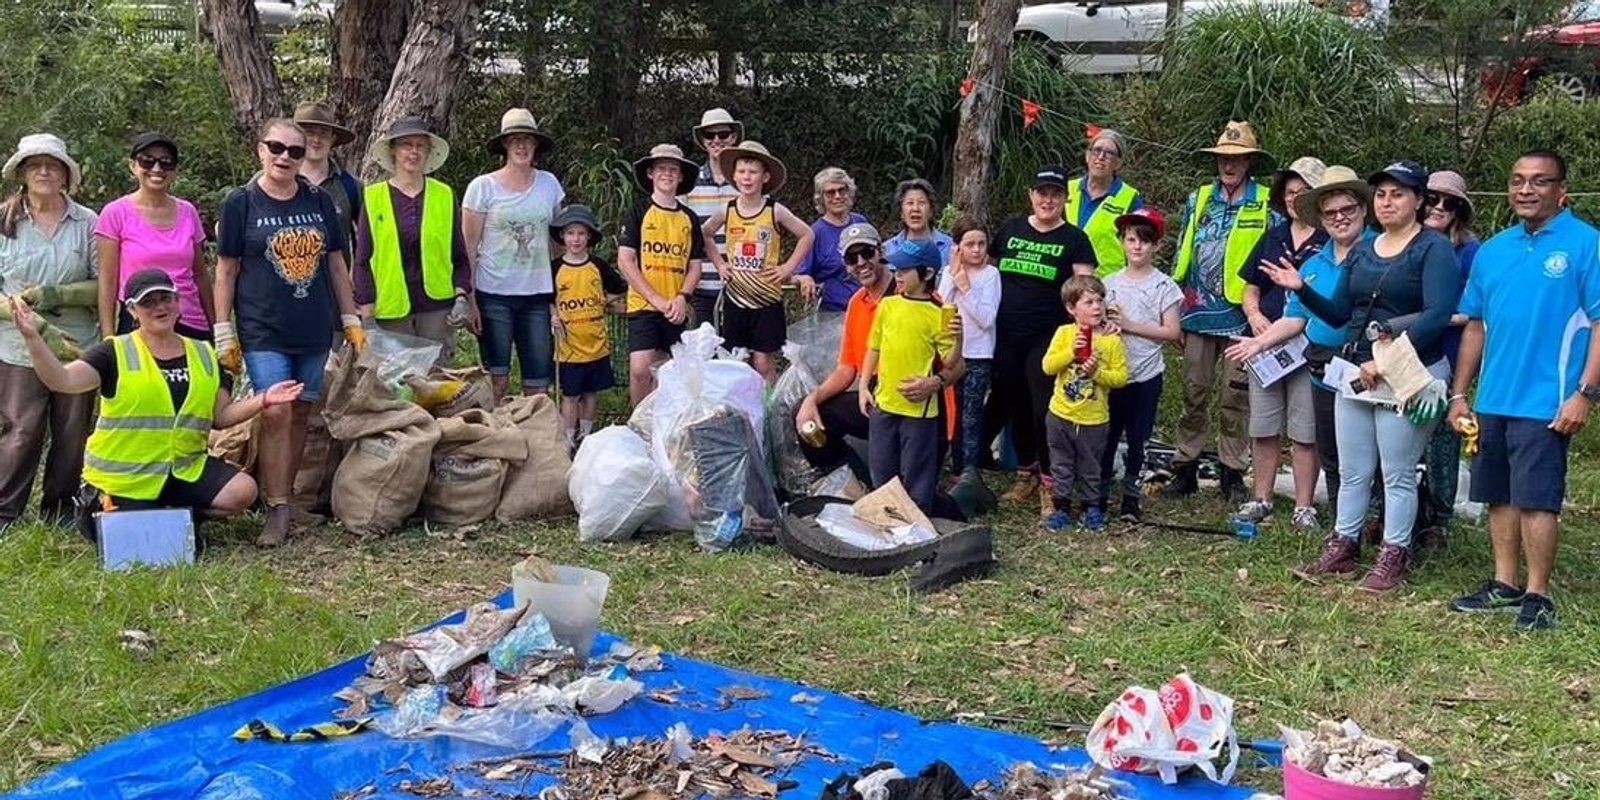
(1414, 292)
(940, 240)
(825, 264)
(1536, 294)
(283, 300)
(1321, 274)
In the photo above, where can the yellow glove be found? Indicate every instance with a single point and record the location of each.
(353, 332)
(1469, 436)
(227, 345)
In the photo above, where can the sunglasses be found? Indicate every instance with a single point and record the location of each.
(150, 163)
(277, 148)
(1448, 203)
(719, 135)
(860, 255)
(154, 299)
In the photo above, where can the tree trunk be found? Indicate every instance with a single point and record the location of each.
(367, 36)
(234, 27)
(433, 61)
(981, 107)
(616, 64)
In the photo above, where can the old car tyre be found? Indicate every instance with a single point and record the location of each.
(800, 536)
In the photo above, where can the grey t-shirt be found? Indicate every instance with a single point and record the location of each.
(1142, 301)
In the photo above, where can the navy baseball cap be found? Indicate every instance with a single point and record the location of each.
(1409, 174)
(1052, 175)
(915, 255)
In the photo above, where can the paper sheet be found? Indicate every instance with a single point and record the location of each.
(1272, 364)
(1346, 377)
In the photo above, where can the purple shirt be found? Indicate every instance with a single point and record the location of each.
(408, 223)
(825, 264)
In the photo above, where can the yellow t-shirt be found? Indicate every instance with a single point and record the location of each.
(580, 305)
(911, 338)
(752, 246)
(1076, 398)
(666, 239)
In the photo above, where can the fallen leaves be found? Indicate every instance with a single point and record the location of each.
(742, 764)
(431, 787)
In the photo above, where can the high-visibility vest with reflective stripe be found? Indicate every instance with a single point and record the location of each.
(1249, 225)
(1102, 225)
(140, 438)
(438, 233)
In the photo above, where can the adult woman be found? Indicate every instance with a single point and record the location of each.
(1096, 200)
(160, 393)
(151, 228)
(46, 257)
(281, 275)
(506, 216)
(918, 208)
(412, 272)
(1403, 281)
(1285, 407)
(1450, 212)
(1036, 254)
(833, 192)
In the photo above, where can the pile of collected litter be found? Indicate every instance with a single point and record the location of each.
(1342, 752)
(746, 763)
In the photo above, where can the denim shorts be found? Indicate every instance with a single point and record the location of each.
(1520, 462)
(266, 367)
(521, 321)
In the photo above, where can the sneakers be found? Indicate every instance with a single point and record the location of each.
(1339, 556)
(1058, 521)
(1185, 481)
(1538, 613)
(1388, 571)
(276, 531)
(1305, 519)
(1231, 484)
(1094, 518)
(1130, 511)
(1026, 485)
(1254, 511)
(1492, 595)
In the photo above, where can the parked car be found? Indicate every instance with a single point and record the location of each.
(1566, 55)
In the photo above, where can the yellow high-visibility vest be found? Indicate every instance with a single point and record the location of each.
(1249, 225)
(438, 235)
(140, 438)
(1102, 226)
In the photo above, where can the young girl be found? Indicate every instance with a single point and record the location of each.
(585, 286)
(1143, 303)
(972, 285)
(1087, 360)
(912, 353)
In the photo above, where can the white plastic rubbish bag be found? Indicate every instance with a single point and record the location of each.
(1163, 732)
(615, 485)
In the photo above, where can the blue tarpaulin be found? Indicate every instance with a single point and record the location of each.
(195, 757)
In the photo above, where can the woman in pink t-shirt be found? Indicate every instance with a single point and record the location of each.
(151, 228)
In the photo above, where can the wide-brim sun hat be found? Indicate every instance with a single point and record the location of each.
(383, 149)
(716, 117)
(43, 144)
(1307, 168)
(575, 214)
(1239, 139)
(319, 114)
(777, 173)
(1336, 178)
(669, 152)
(520, 121)
(1451, 184)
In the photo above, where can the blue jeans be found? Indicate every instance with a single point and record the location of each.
(969, 442)
(266, 367)
(1372, 438)
(523, 321)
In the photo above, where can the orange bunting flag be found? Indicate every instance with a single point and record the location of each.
(966, 87)
(1091, 131)
(1030, 113)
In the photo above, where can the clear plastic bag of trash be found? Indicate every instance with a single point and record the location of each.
(717, 461)
(841, 522)
(531, 639)
(795, 473)
(519, 721)
(595, 694)
(399, 355)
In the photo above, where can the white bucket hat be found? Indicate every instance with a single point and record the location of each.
(43, 144)
(717, 117)
(383, 149)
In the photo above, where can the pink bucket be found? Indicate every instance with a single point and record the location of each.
(1301, 785)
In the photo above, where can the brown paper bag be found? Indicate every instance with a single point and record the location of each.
(537, 487)
(889, 506)
(235, 445)
(468, 467)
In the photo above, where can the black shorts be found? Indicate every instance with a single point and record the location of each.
(1520, 462)
(705, 308)
(585, 377)
(760, 330)
(197, 495)
(650, 330)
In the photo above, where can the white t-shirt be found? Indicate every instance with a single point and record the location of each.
(1142, 301)
(514, 253)
(977, 306)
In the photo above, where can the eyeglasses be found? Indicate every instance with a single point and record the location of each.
(1537, 181)
(45, 164)
(726, 133)
(1104, 152)
(836, 191)
(1342, 212)
(860, 255)
(150, 163)
(154, 299)
(1444, 201)
(277, 148)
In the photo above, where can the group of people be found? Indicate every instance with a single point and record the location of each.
(1050, 326)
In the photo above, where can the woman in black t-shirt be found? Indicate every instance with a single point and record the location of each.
(1035, 254)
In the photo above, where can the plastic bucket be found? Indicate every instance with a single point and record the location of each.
(1301, 785)
(572, 605)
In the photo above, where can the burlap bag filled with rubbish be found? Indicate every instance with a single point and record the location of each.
(537, 487)
(449, 392)
(381, 478)
(468, 467)
(235, 445)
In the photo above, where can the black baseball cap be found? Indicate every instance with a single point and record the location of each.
(1052, 175)
(146, 281)
(1409, 174)
(149, 139)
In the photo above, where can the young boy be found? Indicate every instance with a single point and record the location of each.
(659, 249)
(585, 287)
(972, 285)
(1087, 361)
(1142, 302)
(753, 274)
(913, 355)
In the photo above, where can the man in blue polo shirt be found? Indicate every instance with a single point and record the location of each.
(1533, 310)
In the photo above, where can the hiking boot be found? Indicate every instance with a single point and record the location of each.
(1388, 571)
(1538, 613)
(1254, 511)
(1047, 501)
(1130, 511)
(1231, 484)
(1026, 484)
(1058, 521)
(1339, 556)
(1492, 595)
(276, 531)
(1094, 518)
(1305, 519)
(1185, 481)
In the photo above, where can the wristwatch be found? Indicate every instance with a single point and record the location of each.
(1590, 392)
